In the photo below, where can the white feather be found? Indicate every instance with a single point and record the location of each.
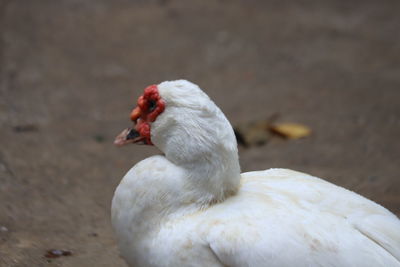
(193, 208)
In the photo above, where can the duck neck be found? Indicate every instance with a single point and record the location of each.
(212, 179)
(211, 167)
(202, 143)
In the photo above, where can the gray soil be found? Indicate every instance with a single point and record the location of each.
(71, 71)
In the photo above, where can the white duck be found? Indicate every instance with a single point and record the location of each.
(192, 207)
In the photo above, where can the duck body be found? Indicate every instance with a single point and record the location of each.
(279, 217)
(192, 207)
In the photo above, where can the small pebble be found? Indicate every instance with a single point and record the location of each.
(55, 253)
(25, 128)
(3, 229)
(99, 138)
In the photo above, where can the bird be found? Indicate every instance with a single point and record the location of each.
(192, 206)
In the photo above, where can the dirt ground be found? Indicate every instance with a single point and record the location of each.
(71, 70)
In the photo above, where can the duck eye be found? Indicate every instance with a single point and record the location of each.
(152, 105)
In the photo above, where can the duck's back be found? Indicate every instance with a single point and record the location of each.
(286, 218)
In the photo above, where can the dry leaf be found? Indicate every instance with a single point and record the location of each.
(251, 134)
(291, 130)
(254, 133)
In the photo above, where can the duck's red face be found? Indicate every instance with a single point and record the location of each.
(149, 106)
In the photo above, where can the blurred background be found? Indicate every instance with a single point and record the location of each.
(71, 70)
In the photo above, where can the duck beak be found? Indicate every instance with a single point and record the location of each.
(129, 136)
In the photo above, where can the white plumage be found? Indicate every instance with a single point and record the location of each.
(192, 207)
